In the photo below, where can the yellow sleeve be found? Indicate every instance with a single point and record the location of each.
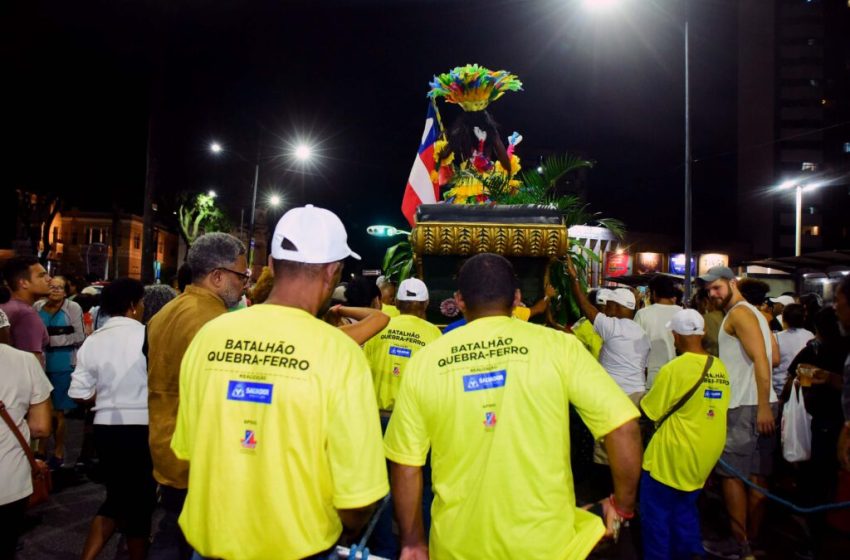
(354, 437)
(406, 441)
(602, 405)
(522, 313)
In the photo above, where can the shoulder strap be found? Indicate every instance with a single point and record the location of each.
(687, 396)
(27, 449)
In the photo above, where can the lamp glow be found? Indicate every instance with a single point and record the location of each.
(303, 152)
(274, 201)
(216, 148)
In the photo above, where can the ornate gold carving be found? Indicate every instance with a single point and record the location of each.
(513, 240)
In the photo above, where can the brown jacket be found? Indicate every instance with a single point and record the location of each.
(169, 333)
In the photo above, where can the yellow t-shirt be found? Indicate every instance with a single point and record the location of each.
(278, 421)
(390, 310)
(390, 350)
(521, 313)
(688, 444)
(491, 401)
(588, 336)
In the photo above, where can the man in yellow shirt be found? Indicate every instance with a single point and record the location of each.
(388, 354)
(688, 402)
(391, 349)
(491, 402)
(277, 413)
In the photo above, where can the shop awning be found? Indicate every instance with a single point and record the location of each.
(820, 261)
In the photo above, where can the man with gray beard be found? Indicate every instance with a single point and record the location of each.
(219, 274)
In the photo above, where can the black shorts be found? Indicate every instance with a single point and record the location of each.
(125, 458)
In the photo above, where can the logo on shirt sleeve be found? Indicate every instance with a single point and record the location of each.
(399, 351)
(711, 394)
(260, 393)
(489, 419)
(482, 381)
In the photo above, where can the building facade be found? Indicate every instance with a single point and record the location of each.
(793, 123)
(103, 245)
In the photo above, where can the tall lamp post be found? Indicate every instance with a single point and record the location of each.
(799, 187)
(600, 6)
(216, 148)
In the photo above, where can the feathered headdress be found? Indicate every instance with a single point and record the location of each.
(473, 87)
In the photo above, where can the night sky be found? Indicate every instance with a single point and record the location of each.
(351, 76)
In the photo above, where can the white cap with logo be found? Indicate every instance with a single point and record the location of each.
(624, 297)
(603, 295)
(317, 237)
(412, 289)
(687, 322)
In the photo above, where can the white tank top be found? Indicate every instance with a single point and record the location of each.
(741, 369)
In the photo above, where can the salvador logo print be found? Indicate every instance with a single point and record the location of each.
(260, 393)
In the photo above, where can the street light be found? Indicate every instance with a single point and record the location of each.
(275, 200)
(216, 148)
(604, 6)
(385, 231)
(799, 188)
(211, 193)
(303, 152)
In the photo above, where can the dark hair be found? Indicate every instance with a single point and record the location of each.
(17, 269)
(77, 281)
(184, 276)
(361, 292)
(591, 296)
(461, 136)
(156, 296)
(662, 286)
(119, 295)
(794, 315)
(487, 280)
(754, 291)
(826, 324)
(87, 301)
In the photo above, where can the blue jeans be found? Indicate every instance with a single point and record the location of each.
(669, 521)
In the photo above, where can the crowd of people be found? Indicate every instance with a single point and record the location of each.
(277, 421)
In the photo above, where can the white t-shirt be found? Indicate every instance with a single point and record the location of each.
(653, 320)
(790, 343)
(625, 349)
(112, 368)
(22, 383)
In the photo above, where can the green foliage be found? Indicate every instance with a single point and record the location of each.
(398, 262)
(199, 215)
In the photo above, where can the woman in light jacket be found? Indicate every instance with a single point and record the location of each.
(112, 372)
(64, 321)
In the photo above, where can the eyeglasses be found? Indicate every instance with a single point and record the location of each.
(244, 276)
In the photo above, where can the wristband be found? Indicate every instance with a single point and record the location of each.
(621, 513)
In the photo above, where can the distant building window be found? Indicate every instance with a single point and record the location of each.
(97, 235)
(137, 241)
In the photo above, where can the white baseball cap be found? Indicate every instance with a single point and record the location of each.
(412, 289)
(784, 300)
(624, 297)
(687, 322)
(603, 295)
(317, 235)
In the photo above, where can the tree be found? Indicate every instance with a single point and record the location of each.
(199, 215)
(36, 212)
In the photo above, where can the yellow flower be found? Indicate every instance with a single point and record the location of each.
(515, 166)
(465, 189)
